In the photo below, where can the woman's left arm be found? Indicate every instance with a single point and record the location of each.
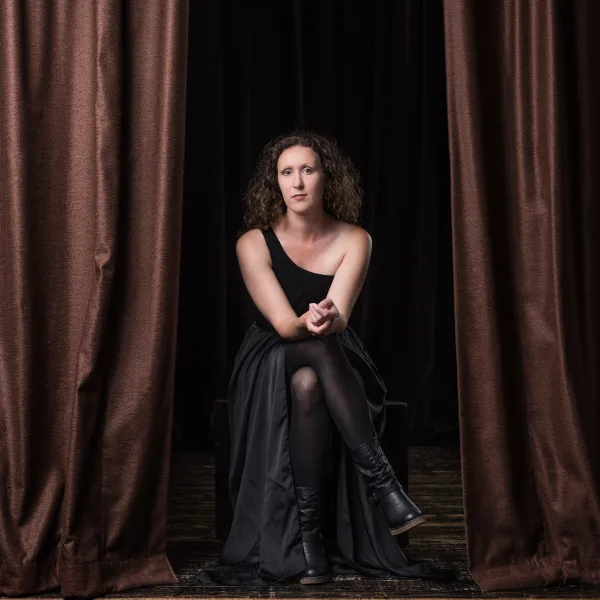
(350, 276)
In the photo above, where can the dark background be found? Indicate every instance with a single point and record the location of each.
(371, 75)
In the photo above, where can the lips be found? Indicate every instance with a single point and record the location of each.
(299, 196)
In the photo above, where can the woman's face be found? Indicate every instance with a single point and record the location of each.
(301, 179)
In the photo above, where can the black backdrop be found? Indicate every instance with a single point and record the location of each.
(370, 74)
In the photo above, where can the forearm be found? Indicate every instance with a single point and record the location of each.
(293, 329)
(339, 324)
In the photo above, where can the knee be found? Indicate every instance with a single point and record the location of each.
(306, 388)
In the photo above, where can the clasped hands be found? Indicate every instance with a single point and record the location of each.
(320, 318)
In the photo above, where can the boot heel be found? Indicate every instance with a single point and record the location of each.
(315, 580)
(409, 525)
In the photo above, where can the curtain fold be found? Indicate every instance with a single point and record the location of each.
(520, 89)
(92, 116)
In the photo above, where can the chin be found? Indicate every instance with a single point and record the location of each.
(305, 208)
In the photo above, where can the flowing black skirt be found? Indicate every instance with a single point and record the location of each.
(264, 543)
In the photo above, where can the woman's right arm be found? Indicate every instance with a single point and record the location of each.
(264, 289)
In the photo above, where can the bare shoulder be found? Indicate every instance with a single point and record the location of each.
(253, 239)
(354, 237)
(252, 243)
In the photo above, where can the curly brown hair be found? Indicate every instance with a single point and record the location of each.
(342, 196)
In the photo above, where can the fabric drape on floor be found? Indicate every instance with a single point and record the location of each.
(92, 117)
(524, 130)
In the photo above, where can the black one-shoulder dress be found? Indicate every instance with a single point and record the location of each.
(264, 542)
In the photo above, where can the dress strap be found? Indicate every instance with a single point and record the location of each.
(274, 246)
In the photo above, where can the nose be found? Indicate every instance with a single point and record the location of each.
(298, 183)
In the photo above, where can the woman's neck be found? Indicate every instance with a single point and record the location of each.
(306, 228)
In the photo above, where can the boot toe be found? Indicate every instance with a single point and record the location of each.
(399, 511)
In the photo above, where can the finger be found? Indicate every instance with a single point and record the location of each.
(324, 313)
(330, 307)
(321, 311)
(317, 317)
(324, 326)
(315, 329)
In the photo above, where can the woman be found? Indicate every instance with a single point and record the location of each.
(300, 370)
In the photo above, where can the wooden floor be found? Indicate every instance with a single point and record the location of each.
(434, 484)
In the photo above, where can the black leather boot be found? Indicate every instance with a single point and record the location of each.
(309, 512)
(384, 489)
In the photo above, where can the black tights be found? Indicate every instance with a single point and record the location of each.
(324, 387)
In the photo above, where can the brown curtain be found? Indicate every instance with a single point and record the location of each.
(523, 98)
(92, 114)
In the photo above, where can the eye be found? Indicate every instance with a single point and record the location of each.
(286, 171)
(308, 170)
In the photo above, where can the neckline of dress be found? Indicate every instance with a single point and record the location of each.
(293, 263)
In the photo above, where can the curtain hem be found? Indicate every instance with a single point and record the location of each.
(537, 573)
(107, 576)
(87, 579)
(29, 578)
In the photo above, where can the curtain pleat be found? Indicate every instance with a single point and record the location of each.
(529, 453)
(92, 116)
